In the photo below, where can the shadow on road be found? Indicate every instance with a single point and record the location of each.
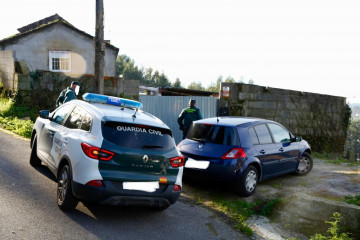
(44, 170)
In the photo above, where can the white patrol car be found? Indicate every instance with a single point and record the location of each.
(105, 149)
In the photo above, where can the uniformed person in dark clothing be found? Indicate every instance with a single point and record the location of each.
(187, 116)
(68, 94)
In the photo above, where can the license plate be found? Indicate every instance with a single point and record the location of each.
(141, 186)
(191, 163)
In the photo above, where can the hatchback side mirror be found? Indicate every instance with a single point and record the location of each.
(44, 114)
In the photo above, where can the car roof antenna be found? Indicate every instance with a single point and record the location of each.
(134, 116)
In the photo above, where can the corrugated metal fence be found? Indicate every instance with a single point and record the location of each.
(168, 108)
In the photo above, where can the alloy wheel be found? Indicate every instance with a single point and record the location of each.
(250, 183)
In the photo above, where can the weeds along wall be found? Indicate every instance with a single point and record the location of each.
(40, 89)
(322, 120)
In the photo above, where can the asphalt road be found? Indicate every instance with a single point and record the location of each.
(28, 209)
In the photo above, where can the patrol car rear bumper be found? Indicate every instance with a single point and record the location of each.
(112, 193)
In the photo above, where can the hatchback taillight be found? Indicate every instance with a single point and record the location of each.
(234, 153)
(96, 153)
(177, 161)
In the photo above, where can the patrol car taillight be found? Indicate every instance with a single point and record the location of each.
(95, 183)
(177, 188)
(177, 161)
(234, 153)
(96, 153)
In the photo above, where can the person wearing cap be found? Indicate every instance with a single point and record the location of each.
(68, 93)
(187, 116)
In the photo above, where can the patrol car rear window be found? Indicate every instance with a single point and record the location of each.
(138, 136)
(214, 134)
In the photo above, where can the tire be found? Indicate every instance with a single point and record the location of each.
(246, 184)
(305, 164)
(34, 159)
(65, 197)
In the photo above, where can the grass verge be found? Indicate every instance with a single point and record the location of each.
(333, 158)
(10, 115)
(236, 210)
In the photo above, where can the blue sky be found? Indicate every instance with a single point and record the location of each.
(306, 45)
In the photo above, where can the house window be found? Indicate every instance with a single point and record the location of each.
(60, 61)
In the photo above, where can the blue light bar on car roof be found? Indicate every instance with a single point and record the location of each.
(97, 98)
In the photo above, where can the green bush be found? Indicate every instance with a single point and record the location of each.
(352, 200)
(8, 108)
(334, 231)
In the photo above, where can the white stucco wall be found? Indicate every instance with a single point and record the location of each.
(34, 49)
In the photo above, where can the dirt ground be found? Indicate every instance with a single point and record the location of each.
(326, 180)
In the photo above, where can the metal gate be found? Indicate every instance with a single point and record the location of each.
(168, 108)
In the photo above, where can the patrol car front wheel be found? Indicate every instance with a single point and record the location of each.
(65, 197)
(34, 159)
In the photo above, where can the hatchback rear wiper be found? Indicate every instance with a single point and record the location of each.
(152, 146)
(199, 139)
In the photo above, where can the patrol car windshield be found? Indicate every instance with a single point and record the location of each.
(138, 136)
(214, 134)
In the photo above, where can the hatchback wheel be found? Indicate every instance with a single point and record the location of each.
(305, 164)
(246, 184)
(65, 197)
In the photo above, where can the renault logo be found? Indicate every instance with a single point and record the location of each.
(145, 158)
(200, 146)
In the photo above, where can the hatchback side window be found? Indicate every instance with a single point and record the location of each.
(263, 134)
(61, 113)
(253, 136)
(279, 133)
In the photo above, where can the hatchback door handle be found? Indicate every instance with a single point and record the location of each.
(281, 149)
(262, 152)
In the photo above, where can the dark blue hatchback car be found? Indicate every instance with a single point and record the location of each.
(243, 151)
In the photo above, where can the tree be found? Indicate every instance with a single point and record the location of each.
(177, 83)
(126, 67)
(196, 86)
(215, 87)
(352, 145)
(230, 80)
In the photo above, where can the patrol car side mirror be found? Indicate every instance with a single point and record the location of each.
(44, 114)
(297, 139)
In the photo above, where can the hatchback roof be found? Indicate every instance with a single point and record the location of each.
(231, 121)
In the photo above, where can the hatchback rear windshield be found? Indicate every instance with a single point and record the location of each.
(214, 134)
(138, 136)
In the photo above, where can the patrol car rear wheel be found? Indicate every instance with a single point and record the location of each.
(65, 197)
(34, 159)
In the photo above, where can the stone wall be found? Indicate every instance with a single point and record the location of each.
(41, 89)
(320, 119)
(7, 69)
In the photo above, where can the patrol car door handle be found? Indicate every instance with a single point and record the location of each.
(281, 149)
(65, 141)
(51, 132)
(262, 152)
